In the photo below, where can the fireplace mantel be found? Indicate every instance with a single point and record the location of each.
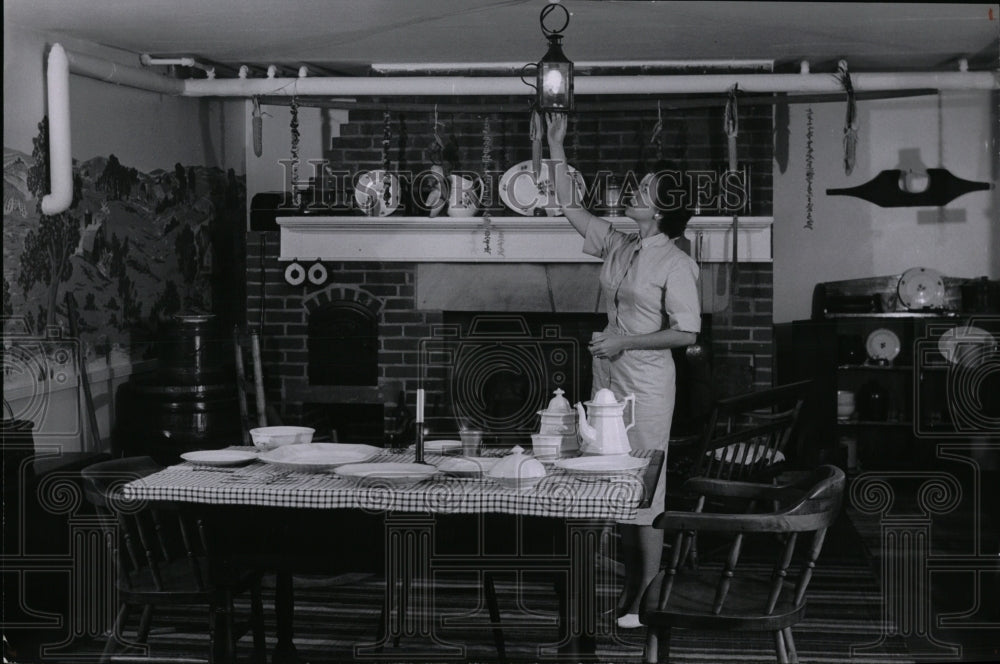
(511, 239)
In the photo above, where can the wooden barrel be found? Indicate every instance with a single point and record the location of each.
(188, 403)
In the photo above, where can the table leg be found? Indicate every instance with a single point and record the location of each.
(580, 606)
(284, 612)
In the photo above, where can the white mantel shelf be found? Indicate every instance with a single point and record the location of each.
(524, 239)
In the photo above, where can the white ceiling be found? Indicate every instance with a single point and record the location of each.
(347, 35)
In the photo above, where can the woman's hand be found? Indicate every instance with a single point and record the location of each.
(607, 345)
(556, 131)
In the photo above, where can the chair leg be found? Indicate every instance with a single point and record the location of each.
(793, 655)
(494, 608)
(779, 647)
(144, 623)
(658, 645)
(115, 638)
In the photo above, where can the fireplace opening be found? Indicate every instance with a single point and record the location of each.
(499, 370)
(359, 423)
(343, 345)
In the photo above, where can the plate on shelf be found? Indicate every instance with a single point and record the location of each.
(219, 457)
(317, 457)
(521, 193)
(921, 288)
(393, 473)
(369, 193)
(611, 464)
(965, 344)
(883, 344)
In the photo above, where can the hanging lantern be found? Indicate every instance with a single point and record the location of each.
(554, 87)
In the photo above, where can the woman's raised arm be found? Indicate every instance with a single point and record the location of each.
(563, 179)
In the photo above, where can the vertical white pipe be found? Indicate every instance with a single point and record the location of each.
(60, 154)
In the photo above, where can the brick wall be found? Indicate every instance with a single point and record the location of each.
(614, 141)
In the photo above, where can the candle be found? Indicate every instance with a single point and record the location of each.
(418, 446)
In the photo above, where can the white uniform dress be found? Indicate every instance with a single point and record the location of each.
(649, 285)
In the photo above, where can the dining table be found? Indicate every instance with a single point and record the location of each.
(286, 514)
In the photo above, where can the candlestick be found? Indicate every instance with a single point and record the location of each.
(419, 442)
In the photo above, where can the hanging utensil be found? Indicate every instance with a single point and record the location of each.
(731, 122)
(656, 136)
(535, 134)
(851, 124)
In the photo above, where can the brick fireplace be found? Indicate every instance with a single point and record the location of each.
(403, 310)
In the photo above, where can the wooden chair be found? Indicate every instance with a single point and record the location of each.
(162, 557)
(755, 598)
(745, 438)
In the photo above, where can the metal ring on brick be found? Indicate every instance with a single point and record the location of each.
(317, 274)
(295, 274)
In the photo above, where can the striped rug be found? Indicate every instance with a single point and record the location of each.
(333, 615)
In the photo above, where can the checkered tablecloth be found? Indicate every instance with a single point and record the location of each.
(559, 494)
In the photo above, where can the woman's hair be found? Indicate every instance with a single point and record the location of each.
(669, 202)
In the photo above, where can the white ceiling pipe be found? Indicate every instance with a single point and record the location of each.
(133, 77)
(765, 65)
(584, 85)
(512, 85)
(60, 194)
(60, 63)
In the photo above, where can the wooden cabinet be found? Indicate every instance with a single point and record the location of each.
(942, 386)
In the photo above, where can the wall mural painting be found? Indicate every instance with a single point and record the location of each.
(133, 249)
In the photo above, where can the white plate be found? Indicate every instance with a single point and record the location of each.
(372, 183)
(317, 457)
(396, 474)
(466, 466)
(611, 464)
(965, 344)
(520, 192)
(219, 457)
(882, 344)
(921, 287)
(441, 446)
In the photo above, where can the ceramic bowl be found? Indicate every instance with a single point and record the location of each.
(269, 438)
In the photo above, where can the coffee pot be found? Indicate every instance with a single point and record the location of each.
(602, 425)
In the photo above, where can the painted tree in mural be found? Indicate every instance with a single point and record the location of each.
(8, 305)
(45, 257)
(188, 262)
(117, 180)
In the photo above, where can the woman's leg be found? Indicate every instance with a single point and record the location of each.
(631, 562)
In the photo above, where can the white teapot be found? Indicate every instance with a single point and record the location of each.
(602, 429)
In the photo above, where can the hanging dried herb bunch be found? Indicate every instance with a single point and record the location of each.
(294, 125)
(386, 176)
(487, 162)
(810, 173)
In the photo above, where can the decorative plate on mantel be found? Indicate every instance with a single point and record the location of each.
(370, 193)
(520, 191)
